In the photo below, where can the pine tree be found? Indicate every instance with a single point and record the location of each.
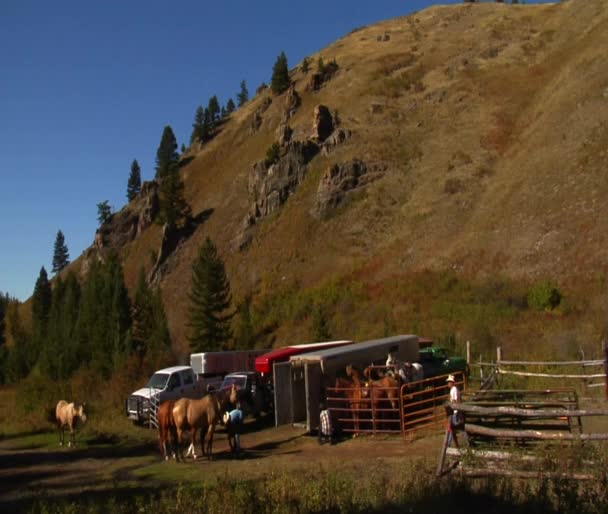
(199, 130)
(104, 212)
(61, 256)
(104, 322)
(174, 210)
(209, 302)
(41, 309)
(150, 337)
(305, 65)
(3, 306)
(3, 349)
(59, 355)
(321, 66)
(244, 336)
(134, 183)
(243, 96)
(280, 75)
(214, 110)
(166, 154)
(119, 333)
(21, 357)
(230, 107)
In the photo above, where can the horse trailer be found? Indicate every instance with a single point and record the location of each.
(300, 383)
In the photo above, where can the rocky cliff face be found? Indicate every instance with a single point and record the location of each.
(125, 225)
(270, 186)
(341, 180)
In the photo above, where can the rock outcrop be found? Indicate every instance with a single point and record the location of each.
(323, 124)
(128, 223)
(340, 180)
(292, 102)
(270, 186)
(283, 133)
(257, 119)
(337, 137)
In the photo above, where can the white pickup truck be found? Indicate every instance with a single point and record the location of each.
(166, 384)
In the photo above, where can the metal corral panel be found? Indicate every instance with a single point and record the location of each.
(312, 372)
(283, 404)
(361, 354)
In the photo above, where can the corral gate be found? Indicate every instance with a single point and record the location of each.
(283, 394)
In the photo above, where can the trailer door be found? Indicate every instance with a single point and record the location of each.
(313, 394)
(283, 403)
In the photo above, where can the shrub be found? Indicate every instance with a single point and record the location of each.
(272, 154)
(544, 296)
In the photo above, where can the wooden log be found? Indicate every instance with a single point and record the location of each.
(526, 413)
(526, 392)
(531, 434)
(599, 362)
(484, 472)
(489, 455)
(546, 375)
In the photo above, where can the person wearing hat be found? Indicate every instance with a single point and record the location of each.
(233, 421)
(456, 418)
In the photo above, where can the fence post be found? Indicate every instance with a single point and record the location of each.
(606, 365)
(468, 351)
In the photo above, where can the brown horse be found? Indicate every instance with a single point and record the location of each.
(354, 395)
(203, 415)
(68, 414)
(381, 391)
(167, 431)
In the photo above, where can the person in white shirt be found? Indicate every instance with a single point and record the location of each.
(456, 419)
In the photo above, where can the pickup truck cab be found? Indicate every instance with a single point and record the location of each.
(435, 361)
(166, 384)
(253, 393)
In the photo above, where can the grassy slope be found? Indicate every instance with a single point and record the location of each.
(495, 160)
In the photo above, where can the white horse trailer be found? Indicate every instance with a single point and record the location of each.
(212, 367)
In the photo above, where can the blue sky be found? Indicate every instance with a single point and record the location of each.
(86, 87)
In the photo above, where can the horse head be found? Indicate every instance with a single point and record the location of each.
(234, 394)
(79, 410)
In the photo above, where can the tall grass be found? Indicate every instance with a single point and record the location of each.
(392, 488)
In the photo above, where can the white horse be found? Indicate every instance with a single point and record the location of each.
(68, 414)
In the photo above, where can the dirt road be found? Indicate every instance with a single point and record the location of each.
(34, 466)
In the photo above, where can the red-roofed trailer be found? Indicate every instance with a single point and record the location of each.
(264, 363)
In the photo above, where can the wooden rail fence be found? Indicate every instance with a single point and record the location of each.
(504, 427)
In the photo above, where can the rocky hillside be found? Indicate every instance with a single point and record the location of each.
(471, 138)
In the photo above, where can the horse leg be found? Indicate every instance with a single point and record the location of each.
(179, 442)
(210, 432)
(61, 435)
(162, 442)
(172, 436)
(193, 432)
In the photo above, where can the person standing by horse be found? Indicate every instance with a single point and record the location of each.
(234, 422)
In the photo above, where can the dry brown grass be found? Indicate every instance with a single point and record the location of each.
(508, 99)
